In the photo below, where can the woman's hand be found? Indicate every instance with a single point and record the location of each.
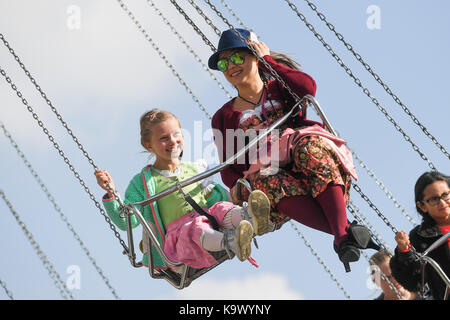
(402, 240)
(105, 181)
(244, 194)
(260, 48)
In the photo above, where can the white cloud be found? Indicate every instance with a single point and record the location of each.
(262, 286)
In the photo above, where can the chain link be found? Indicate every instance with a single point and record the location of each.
(207, 20)
(320, 260)
(241, 23)
(359, 84)
(377, 78)
(380, 184)
(66, 160)
(58, 209)
(7, 291)
(54, 275)
(189, 48)
(162, 56)
(197, 29)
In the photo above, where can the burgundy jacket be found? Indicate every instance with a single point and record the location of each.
(228, 118)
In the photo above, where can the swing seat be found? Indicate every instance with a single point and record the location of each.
(177, 274)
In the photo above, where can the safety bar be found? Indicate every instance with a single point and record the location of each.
(427, 260)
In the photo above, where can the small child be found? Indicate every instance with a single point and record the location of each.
(186, 235)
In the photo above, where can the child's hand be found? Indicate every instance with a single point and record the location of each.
(103, 180)
(402, 240)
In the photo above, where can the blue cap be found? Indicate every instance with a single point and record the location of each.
(228, 40)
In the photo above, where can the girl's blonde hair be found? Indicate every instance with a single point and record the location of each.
(150, 119)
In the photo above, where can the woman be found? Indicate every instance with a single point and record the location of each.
(432, 195)
(313, 184)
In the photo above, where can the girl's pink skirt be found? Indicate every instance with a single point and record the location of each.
(182, 241)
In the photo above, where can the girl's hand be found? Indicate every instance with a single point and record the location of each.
(260, 48)
(402, 240)
(103, 180)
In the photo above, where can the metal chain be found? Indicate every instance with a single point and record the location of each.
(384, 189)
(7, 291)
(33, 81)
(207, 20)
(197, 29)
(54, 275)
(359, 84)
(374, 208)
(58, 209)
(377, 78)
(66, 160)
(266, 64)
(162, 56)
(319, 259)
(199, 60)
(241, 23)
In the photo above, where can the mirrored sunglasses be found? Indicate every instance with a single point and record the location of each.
(237, 58)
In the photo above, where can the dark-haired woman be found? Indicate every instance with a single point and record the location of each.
(312, 182)
(432, 195)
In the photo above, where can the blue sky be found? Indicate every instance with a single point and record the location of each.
(101, 74)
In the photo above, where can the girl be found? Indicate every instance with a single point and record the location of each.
(313, 185)
(432, 195)
(186, 235)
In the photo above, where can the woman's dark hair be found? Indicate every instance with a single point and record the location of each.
(425, 180)
(280, 58)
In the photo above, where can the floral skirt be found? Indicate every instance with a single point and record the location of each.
(315, 164)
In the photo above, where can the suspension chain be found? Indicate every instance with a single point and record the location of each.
(7, 291)
(162, 56)
(197, 29)
(381, 185)
(54, 275)
(189, 48)
(359, 84)
(377, 78)
(241, 23)
(207, 20)
(320, 260)
(58, 209)
(66, 160)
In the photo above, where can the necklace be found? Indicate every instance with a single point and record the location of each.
(252, 103)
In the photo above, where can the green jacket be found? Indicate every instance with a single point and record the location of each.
(141, 187)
